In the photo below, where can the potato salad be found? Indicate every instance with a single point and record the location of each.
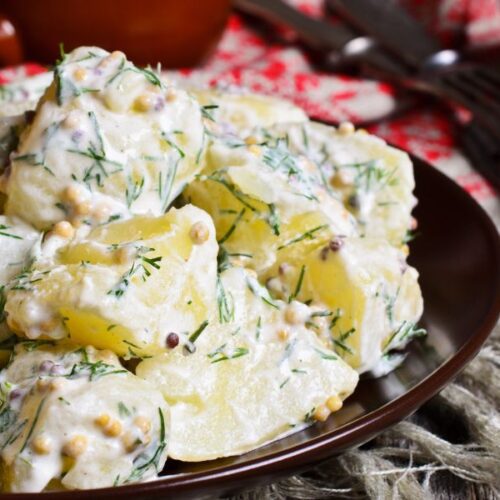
(185, 273)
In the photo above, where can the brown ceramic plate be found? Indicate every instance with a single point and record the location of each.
(458, 257)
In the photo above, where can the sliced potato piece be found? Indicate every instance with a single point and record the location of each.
(107, 139)
(125, 286)
(369, 296)
(374, 181)
(240, 111)
(77, 416)
(262, 198)
(253, 375)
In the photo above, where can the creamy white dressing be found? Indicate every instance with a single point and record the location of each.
(61, 392)
(126, 138)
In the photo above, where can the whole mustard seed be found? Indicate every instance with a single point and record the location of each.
(199, 233)
(75, 446)
(334, 403)
(321, 413)
(41, 445)
(172, 340)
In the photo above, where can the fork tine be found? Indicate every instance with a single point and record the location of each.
(484, 107)
(472, 140)
(483, 81)
(468, 84)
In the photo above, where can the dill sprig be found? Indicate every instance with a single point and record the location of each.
(141, 264)
(133, 190)
(225, 302)
(143, 462)
(341, 339)
(3, 232)
(219, 355)
(205, 111)
(298, 286)
(405, 332)
(309, 235)
(232, 228)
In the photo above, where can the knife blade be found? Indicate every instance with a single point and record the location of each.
(391, 26)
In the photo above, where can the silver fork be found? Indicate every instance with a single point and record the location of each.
(429, 67)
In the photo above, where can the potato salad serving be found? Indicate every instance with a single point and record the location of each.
(185, 273)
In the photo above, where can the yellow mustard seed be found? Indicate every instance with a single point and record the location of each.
(199, 233)
(283, 334)
(113, 428)
(144, 103)
(251, 140)
(130, 442)
(73, 194)
(41, 445)
(102, 420)
(334, 403)
(321, 413)
(80, 74)
(75, 446)
(346, 128)
(64, 229)
(292, 317)
(83, 208)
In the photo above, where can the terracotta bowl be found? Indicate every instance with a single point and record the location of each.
(177, 33)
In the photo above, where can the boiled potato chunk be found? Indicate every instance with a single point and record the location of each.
(240, 111)
(375, 181)
(75, 415)
(370, 297)
(107, 139)
(124, 286)
(263, 198)
(255, 373)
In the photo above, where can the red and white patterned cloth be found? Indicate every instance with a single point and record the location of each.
(244, 58)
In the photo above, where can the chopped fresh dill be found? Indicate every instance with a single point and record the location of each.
(284, 382)
(241, 197)
(143, 462)
(133, 190)
(3, 232)
(232, 228)
(405, 332)
(298, 286)
(219, 355)
(33, 423)
(340, 341)
(410, 235)
(326, 355)
(258, 328)
(261, 292)
(206, 111)
(225, 302)
(273, 219)
(194, 336)
(307, 235)
(123, 410)
(141, 264)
